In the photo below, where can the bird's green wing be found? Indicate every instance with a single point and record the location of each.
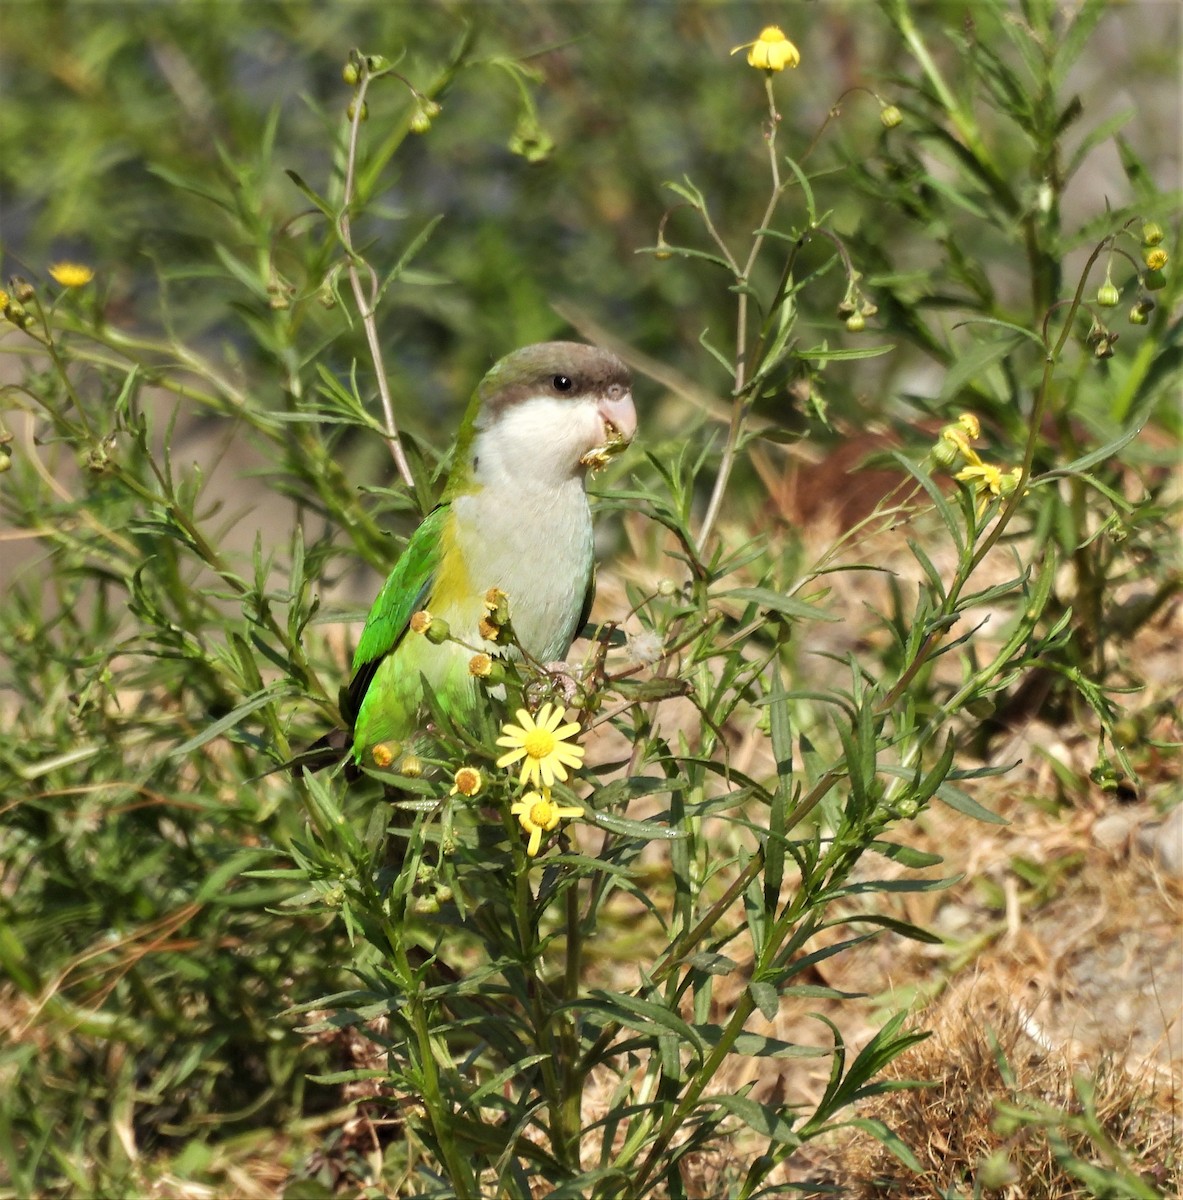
(405, 592)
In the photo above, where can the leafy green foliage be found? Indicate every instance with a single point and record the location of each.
(189, 931)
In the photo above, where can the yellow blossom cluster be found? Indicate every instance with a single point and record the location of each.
(543, 746)
(989, 482)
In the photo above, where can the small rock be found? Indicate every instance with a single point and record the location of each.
(1111, 831)
(1163, 841)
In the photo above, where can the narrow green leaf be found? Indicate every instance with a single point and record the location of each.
(767, 1121)
(267, 696)
(788, 605)
(964, 803)
(627, 827)
(765, 998)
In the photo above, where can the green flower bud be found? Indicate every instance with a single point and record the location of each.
(1107, 294)
(946, 454)
(438, 631)
(890, 116)
(1138, 316)
(351, 111)
(420, 122)
(856, 322)
(1151, 233)
(350, 74)
(5, 462)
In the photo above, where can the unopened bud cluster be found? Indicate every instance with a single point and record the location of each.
(855, 309)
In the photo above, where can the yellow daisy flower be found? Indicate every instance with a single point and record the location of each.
(537, 814)
(771, 51)
(71, 275)
(540, 743)
(990, 482)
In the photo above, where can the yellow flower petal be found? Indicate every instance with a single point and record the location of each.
(71, 275)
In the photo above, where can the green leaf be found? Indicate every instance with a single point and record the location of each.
(627, 827)
(755, 1045)
(821, 354)
(881, 1133)
(965, 804)
(659, 688)
(765, 997)
(260, 700)
(1078, 465)
(767, 598)
(767, 1121)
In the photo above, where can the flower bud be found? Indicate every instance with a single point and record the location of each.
(890, 116)
(420, 122)
(1138, 315)
(443, 893)
(1151, 233)
(350, 74)
(667, 587)
(856, 322)
(438, 631)
(425, 906)
(5, 461)
(375, 63)
(946, 454)
(1153, 280)
(497, 606)
(411, 766)
(384, 753)
(352, 111)
(22, 289)
(1107, 294)
(467, 781)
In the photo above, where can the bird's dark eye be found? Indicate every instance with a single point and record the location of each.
(562, 383)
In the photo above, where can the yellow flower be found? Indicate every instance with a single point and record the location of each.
(990, 482)
(771, 51)
(541, 745)
(1156, 259)
(971, 425)
(71, 275)
(420, 621)
(953, 444)
(467, 782)
(537, 814)
(480, 665)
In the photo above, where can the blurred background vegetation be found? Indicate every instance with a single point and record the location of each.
(152, 142)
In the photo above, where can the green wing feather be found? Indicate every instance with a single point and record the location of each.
(405, 592)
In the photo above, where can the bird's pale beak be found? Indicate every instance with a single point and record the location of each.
(619, 420)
